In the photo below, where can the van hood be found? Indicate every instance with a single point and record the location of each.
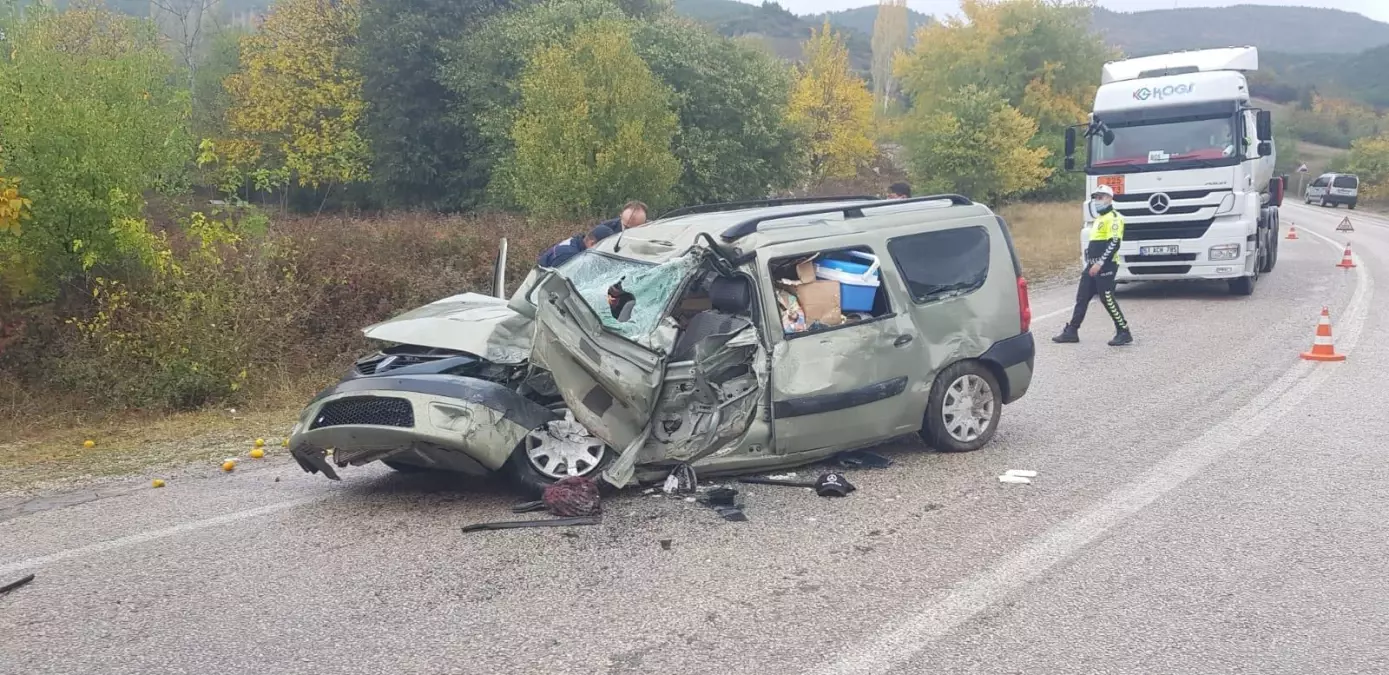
(478, 324)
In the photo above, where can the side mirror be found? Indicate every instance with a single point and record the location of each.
(1070, 142)
(1265, 148)
(1108, 137)
(1265, 126)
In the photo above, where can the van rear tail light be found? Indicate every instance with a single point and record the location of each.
(1024, 306)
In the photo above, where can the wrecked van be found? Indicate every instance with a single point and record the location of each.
(736, 338)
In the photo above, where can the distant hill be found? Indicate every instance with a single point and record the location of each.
(1291, 30)
(861, 19)
(782, 31)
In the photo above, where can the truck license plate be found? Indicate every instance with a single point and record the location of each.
(1157, 250)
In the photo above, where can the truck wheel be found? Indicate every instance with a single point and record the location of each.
(1272, 258)
(1244, 285)
(963, 411)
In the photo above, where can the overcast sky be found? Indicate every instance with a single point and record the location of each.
(1375, 9)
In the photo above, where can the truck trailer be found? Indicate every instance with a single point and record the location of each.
(1190, 160)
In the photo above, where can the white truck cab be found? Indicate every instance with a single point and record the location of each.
(1191, 165)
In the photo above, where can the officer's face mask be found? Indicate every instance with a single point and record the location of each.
(1100, 204)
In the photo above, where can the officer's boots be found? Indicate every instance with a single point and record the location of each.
(1121, 338)
(1068, 334)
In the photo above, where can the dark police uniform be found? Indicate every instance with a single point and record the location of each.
(1103, 248)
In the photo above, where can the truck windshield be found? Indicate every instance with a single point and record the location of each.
(1143, 145)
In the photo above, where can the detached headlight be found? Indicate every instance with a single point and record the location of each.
(1227, 204)
(1225, 252)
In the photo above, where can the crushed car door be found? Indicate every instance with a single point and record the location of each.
(609, 381)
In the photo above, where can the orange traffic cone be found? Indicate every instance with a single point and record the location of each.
(1292, 232)
(1346, 261)
(1323, 349)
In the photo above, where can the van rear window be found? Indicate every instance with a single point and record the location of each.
(1345, 182)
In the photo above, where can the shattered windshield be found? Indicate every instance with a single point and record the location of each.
(1166, 142)
(651, 288)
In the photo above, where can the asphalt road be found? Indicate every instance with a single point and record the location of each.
(1207, 503)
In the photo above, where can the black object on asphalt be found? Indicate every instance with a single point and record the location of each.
(514, 524)
(682, 480)
(860, 459)
(724, 501)
(15, 584)
(786, 482)
(529, 507)
(832, 484)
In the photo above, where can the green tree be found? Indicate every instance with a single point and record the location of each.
(976, 144)
(482, 69)
(1039, 56)
(423, 154)
(1369, 159)
(734, 141)
(594, 128)
(91, 123)
(833, 108)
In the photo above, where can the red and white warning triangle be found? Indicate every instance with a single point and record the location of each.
(1345, 225)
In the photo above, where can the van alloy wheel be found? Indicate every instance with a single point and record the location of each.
(968, 409)
(563, 448)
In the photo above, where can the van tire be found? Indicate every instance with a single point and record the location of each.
(1351, 206)
(965, 374)
(530, 481)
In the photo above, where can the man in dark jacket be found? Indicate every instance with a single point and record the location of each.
(560, 253)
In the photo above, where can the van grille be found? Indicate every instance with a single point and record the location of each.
(380, 411)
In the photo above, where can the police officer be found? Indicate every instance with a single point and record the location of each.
(1101, 264)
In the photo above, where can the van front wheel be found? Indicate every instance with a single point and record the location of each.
(963, 411)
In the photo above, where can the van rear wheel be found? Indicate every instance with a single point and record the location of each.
(963, 411)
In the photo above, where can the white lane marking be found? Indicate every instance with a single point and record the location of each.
(151, 535)
(894, 646)
(1049, 315)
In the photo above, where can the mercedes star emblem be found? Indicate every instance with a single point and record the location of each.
(1159, 202)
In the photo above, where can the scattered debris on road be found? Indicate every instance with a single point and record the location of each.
(15, 584)
(1017, 476)
(832, 484)
(553, 522)
(862, 459)
(158, 482)
(665, 544)
(724, 501)
(573, 496)
(681, 481)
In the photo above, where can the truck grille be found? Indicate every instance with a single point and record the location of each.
(380, 411)
(1161, 269)
(1144, 211)
(1173, 229)
(1175, 257)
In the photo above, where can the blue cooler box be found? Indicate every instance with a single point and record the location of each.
(858, 282)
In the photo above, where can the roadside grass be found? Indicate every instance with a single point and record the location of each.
(1047, 236)
(42, 432)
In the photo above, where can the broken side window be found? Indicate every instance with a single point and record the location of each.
(829, 289)
(942, 264)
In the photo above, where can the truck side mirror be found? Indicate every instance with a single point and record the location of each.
(1070, 143)
(1264, 122)
(1108, 137)
(1265, 148)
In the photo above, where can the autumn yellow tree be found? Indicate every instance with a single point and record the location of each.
(975, 144)
(833, 108)
(296, 105)
(889, 39)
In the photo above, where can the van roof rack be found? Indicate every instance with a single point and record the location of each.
(752, 225)
(775, 201)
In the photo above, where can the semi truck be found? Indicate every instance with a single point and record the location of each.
(1191, 161)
